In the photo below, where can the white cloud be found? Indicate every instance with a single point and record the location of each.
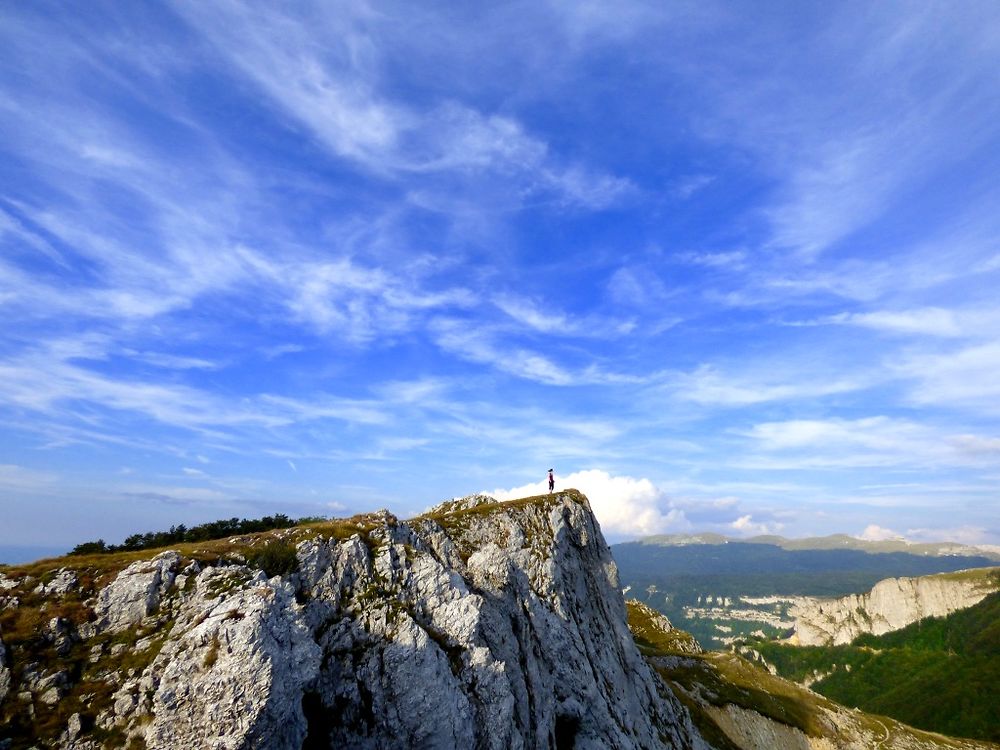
(173, 361)
(708, 386)
(931, 321)
(477, 345)
(842, 161)
(528, 312)
(875, 533)
(841, 185)
(735, 260)
(965, 377)
(747, 526)
(868, 441)
(926, 321)
(323, 71)
(623, 505)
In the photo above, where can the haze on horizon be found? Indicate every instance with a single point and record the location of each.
(727, 268)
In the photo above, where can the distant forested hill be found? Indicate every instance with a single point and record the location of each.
(701, 587)
(753, 569)
(941, 674)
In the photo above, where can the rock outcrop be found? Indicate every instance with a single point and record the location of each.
(891, 604)
(136, 591)
(4, 671)
(479, 624)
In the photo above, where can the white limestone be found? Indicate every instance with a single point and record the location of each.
(891, 604)
(136, 592)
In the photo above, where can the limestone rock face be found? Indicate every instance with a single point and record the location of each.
(4, 672)
(478, 625)
(509, 620)
(891, 604)
(235, 674)
(136, 591)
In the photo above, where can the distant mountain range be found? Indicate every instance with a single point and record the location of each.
(722, 589)
(831, 542)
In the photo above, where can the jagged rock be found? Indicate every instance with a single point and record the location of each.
(52, 688)
(6, 584)
(59, 632)
(891, 604)
(136, 591)
(488, 625)
(524, 641)
(64, 581)
(4, 672)
(72, 731)
(235, 678)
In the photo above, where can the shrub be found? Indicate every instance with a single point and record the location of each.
(276, 559)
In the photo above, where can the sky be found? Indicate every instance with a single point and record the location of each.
(723, 266)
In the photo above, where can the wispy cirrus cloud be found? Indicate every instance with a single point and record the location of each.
(964, 377)
(868, 441)
(930, 322)
(334, 90)
(382, 240)
(710, 387)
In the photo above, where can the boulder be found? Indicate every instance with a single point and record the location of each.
(135, 592)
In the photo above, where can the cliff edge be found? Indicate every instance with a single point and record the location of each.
(890, 605)
(479, 624)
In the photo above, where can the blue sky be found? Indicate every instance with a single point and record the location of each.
(723, 266)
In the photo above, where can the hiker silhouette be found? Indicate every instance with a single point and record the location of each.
(552, 481)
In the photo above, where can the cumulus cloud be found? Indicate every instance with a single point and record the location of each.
(624, 505)
(875, 533)
(746, 525)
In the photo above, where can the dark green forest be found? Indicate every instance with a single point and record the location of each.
(940, 674)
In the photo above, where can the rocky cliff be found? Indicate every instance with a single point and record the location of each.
(891, 604)
(477, 625)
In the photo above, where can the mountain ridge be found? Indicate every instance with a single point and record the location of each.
(481, 624)
(829, 542)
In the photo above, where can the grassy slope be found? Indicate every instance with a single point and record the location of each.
(940, 674)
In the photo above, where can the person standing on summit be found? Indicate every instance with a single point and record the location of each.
(552, 482)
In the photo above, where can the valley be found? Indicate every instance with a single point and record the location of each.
(911, 636)
(723, 591)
